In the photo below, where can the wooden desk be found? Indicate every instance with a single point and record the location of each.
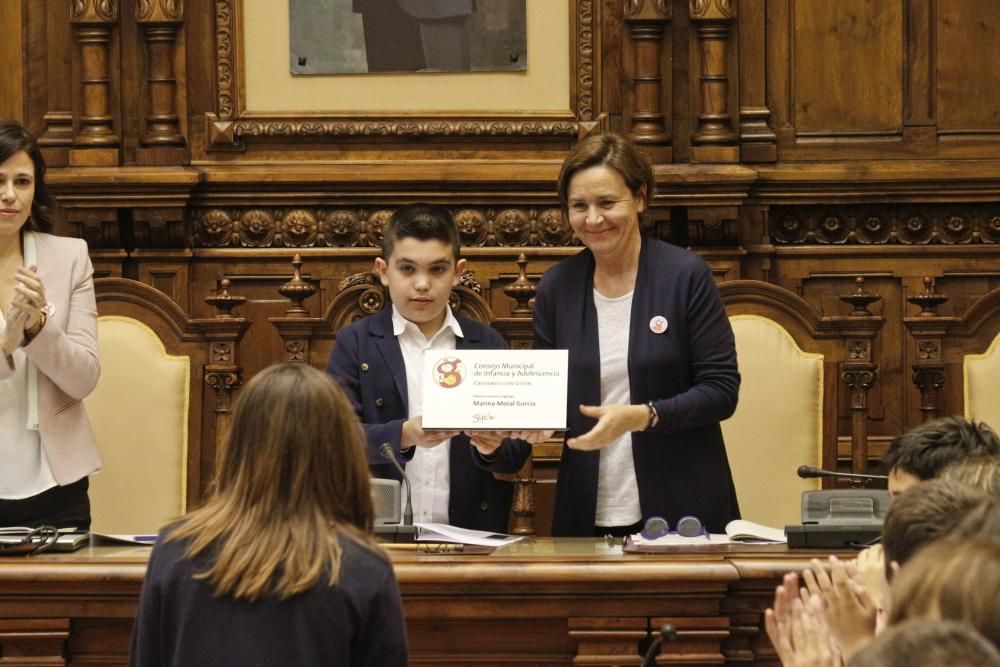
(538, 602)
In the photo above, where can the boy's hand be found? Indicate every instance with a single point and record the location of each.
(414, 434)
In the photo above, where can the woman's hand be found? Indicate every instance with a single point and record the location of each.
(13, 332)
(613, 421)
(29, 297)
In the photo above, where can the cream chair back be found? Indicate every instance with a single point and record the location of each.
(139, 412)
(778, 424)
(982, 385)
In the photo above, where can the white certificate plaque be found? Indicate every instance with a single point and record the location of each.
(505, 390)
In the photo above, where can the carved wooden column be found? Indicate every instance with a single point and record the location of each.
(859, 372)
(714, 139)
(223, 374)
(647, 21)
(159, 21)
(96, 144)
(296, 327)
(928, 330)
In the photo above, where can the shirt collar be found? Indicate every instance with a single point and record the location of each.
(400, 324)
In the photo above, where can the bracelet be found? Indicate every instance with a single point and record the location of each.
(29, 336)
(653, 415)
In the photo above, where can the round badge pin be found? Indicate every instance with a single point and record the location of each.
(658, 324)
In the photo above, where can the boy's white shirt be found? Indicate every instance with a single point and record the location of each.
(429, 471)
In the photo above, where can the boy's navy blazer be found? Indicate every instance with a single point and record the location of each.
(689, 372)
(368, 363)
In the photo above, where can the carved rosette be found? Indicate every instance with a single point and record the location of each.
(299, 229)
(296, 350)
(341, 228)
(375, 227)
(473, 228)
(885, 224)
(345, 228)
(214, 229)
(256, 229)
(552, 229)
(511, 228)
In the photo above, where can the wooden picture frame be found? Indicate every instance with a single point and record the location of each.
(231, 124)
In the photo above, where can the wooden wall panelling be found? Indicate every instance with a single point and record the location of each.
(13, 55)
(50, 87)
(757, 139)
(967, 87)
(96, 143)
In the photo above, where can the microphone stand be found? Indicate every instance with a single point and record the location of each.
(854, 479)
(388, 454)
(668, 633)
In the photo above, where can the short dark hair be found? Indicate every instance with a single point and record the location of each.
(927, 449)
(424, 222)
(14, 138)
(917, 643)
(924, 513)
(618, 153)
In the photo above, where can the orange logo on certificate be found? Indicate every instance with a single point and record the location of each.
(449, 372)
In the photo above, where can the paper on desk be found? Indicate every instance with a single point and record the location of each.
(144, 540)
(442, 532)
(673, 539)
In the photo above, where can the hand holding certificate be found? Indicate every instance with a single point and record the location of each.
(495, 390)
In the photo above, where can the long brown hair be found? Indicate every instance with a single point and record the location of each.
(291, 477)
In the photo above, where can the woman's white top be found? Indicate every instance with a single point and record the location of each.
(617, 487)
(24, 470)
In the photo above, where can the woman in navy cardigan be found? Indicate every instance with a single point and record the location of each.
(645, 401)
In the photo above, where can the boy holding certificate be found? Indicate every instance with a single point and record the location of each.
(379, 361)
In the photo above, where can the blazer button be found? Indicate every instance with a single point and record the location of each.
(364, 367)
(379, 402)
(483, 507)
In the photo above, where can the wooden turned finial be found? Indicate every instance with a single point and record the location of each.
(860, 299)
(223, 301)
(297, 290)
(929, 300)
(521, 290)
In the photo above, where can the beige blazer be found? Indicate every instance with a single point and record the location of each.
(65, 353)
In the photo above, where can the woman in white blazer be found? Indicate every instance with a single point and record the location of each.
(48, 360)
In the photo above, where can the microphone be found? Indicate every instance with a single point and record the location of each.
(668, 633)
(809, 472)
(388, 454)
